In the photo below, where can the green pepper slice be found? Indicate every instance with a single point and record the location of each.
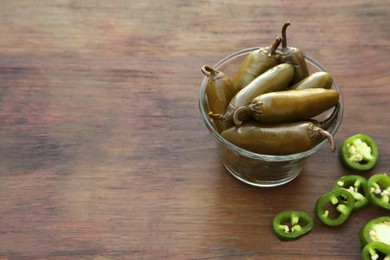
(378, 190)
(376, 230)
(376, 250)
(357, 186)
(359, 152)
(292, 224)
(334, 208)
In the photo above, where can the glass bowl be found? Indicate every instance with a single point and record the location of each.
(256, 169)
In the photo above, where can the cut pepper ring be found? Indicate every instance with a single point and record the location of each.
(359, 152)
(357, 186)
(376, 230)
(334, 208)
(376, 250)
(292, 224)
(378, 190)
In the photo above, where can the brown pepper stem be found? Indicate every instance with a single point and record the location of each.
(238, 115)
(211, 73)
(207, 70)
(217, 116)
(317, 130)
(284, 35)
(275, 46)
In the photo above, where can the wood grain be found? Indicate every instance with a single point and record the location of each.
(103, 152)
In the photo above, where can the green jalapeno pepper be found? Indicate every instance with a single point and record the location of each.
(256, 63)
(289, 105)
(378, 190)
(334, 208)
(376, 251)
(359, 152)
(292, 224)
(357, 186)
(319, 79)
(274, 79)
(376, 230)
(293, 56)
(219, 91)
(277, 139)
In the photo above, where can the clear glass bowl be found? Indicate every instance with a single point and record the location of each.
(256, 169)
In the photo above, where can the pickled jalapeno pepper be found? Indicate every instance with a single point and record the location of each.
(289, 105)
(219, 91)
(256, 63)
(274, 79)
(319, 79)
(277, 139)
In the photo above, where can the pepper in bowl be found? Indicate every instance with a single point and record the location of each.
(271, 125)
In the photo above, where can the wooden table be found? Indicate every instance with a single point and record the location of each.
(103, 151)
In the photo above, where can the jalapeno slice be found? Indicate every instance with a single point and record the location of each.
(334, 208)
(376, 250)
(357, 186)
(292, 224)
(378, 190)
(359, 152)
(376, 230)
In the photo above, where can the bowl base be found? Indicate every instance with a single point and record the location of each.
(261, 183)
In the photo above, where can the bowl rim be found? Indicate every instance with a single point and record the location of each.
(259, 156)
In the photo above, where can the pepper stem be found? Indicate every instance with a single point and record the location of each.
(217, 116)
(238, 113)
(207, 70)
(284, 35)
(326, 135)
(274, 46)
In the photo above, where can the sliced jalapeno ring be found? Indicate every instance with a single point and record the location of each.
(378, 190)
(334, 208)
(376, 230)
(357, 186)
(292, 224)
(376, 250)
(359, 152)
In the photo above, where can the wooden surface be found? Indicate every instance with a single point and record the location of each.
(103, 151)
